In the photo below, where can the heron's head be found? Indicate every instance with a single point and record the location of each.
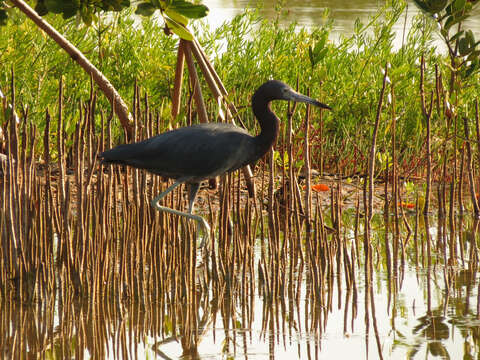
(277, 90)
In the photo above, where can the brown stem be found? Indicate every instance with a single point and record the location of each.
(308, 190)
(202, 111)
(371, 160)
(471, 178)
(206, 70)
(477, 128)
(427, 114)
(177, 87)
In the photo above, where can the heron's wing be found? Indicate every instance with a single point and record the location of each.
(200, 151)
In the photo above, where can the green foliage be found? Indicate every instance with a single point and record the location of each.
(319, 49)
(187, 9)
(145, 9)
(246, 51)
(66, 8)
(123, 48)
(463, 49)
(86, 8)
(175, 13)
(3, 17)
(431, 6)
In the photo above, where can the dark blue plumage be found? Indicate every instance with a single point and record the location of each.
(189, 151)
(195, 153)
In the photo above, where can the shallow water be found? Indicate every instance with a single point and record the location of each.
(309, 14)
(432, 313)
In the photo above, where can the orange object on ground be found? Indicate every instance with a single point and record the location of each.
(408, 205)
(320, 187)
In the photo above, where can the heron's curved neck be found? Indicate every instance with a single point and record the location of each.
(269, 123)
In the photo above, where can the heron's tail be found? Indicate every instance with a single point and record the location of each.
(117, 155)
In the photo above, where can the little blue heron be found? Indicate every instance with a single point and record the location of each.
(199, 152)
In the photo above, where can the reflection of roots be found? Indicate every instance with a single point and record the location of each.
(286, 210)
(433, 329)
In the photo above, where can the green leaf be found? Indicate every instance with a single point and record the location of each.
(178, 29)
(66, 8)
(40, 8)
(179, 18)
(3, 17)
(115, 5)
(458, 5)
(70, 11)
(276, 155)
(471, 39)
(455, 7)
(310, 56)
(449, 22)
(299, 163)
(357, 26)
(431, 6)
(474, 55)
(437, 5)
(456, 36)
(422, 5)
(452, 20)
(472, 68)
(322, 41)
(87, 16)
(145, 9)
(122, 4)
(463, 47)
(322, 54)
(285, 158)
(54, 6)
(188, 9)
(168, 325)
(448, 9)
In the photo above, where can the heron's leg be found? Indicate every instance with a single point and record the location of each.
(197, 218)
(163, 194)
(192, 193)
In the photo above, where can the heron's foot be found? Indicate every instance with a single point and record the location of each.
(154, 204)
(200, 220)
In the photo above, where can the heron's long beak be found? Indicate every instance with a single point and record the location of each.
(303, 98)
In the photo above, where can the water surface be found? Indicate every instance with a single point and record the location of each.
(419, 307)
(309, 13)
